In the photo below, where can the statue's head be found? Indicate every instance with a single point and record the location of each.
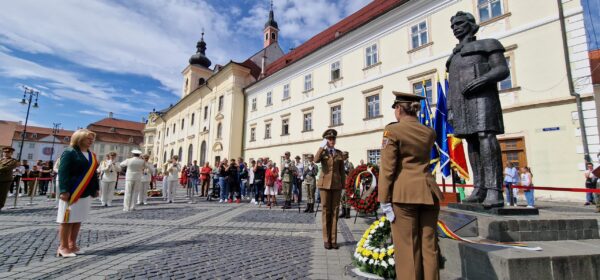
(463, 25)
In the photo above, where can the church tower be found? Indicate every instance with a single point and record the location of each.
(196, 74)
(271, 30)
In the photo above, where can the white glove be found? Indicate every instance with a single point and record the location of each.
(323, 143)
(310, 167)
(287, 165)
(388, 211)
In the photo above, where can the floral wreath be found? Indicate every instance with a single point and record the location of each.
(361, 188)
(374, 252)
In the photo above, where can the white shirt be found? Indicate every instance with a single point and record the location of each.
(135, 167)
(147, 173)
(110, 170)
(173, 170)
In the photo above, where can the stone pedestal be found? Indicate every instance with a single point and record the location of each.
(503, 211)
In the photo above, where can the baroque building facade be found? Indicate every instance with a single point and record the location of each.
(206, 124)
(343, 78)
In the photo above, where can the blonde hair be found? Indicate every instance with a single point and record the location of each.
(79, 135)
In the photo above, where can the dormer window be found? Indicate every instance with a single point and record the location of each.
(130, 139)
(201, 81)
(67, 139)
(112, 129)
(34, 135)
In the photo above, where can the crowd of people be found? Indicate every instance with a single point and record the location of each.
(514, 176)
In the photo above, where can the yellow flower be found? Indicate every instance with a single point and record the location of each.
(381, 257)
(375, 255)
(359, 249)
(390, 252)
(366, 253)
(382, 219)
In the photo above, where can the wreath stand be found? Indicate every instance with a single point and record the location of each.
(366, 214)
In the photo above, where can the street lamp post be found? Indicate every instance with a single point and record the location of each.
(55, 131)
(28, 95)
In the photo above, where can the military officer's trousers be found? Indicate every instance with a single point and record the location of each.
(287, 190)
(4, 186)
(330, 200)
(415, 241)
(310, 186)
(142, 196)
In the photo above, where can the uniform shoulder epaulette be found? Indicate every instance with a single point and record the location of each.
(391, 123)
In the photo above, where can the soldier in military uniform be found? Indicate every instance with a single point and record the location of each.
(7, 164)
(408, 192)
(348, 167)
(310, 174)
(475, 67)
(330, 184)
(288, 175)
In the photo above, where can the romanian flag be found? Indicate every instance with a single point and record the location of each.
(456, 150)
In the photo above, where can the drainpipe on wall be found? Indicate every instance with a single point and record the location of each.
(584, 142)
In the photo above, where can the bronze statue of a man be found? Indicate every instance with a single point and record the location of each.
(475, 67)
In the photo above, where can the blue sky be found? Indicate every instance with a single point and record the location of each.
(88, 58)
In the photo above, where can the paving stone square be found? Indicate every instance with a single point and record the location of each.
(275, 215)
(164, 213)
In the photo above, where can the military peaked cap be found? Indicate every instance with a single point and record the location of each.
(402, 97)
(330, 133)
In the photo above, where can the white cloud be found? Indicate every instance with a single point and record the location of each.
(150, 38)
(92, 113)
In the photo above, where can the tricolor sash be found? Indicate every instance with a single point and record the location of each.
(444, 231)
(82, 183)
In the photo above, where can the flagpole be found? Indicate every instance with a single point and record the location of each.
(453, 180)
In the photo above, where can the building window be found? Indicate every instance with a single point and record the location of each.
(307, 122)
(371, 55)
(173, 128)
(418, 90)
(101, 148)
(30, 156)
(506, 83)
(285, 127)
(192, 119)
(121, 148)
(335, 71)
(254, 104)
(182, 123)
(167, 132)
(253, 134)
(373, 156)
(205, 112)
(373, 106)
(308, 82)
(31, 145)
(268, 131)
(336, 115)
(221, 102)
(219, 130)
(286, 91)
(489, 9)
(418, 34)
(269, 98)
(150, 139)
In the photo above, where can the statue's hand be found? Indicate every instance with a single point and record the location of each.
(474, 85)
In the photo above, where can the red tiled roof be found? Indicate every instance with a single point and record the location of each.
(40, 132)
(7, 131)
(118, 123)
(118, 138)
(595, 65)
(356, 20)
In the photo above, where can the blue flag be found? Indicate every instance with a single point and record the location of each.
(441, 126)
(425, 114)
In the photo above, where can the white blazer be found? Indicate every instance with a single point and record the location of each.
(135, 167)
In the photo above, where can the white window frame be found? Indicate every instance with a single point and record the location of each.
(268, 130)
(421, 34)
(510, 78)
(308, 84)
(253, 134)
(269, 98)
(335, 67)
(284, 123)
(376, 107)
(286, 91)
(333, 121)
(487, 5)
(428, 89)
(253, 104)
(307, 126)
(221, 102)
(371, 55)
(373, 156)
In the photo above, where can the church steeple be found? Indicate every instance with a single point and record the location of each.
(199, 58)
(271, 29)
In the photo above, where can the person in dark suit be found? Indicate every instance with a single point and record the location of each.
(409, 195)
(78, 182)
(330, 184)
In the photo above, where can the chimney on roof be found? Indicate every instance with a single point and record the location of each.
(110, 115)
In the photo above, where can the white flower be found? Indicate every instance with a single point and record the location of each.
(383, 250)
(372, 231)
(391, 247)
(371, 261)
(384, 264)
(380, 225)
(376, 263)
(391, 261)
(356, 255)
(376, 250)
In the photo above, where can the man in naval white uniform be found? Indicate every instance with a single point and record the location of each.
(109, 171)
(133, 178)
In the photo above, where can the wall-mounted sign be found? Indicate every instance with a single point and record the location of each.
(547, 129)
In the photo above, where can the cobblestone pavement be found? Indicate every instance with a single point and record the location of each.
(201, 240)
